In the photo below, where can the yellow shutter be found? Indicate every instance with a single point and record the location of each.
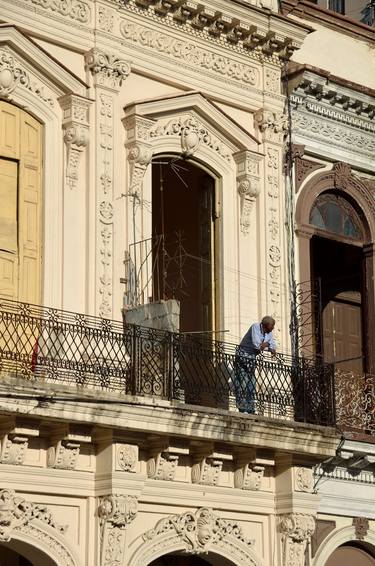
(21, 204)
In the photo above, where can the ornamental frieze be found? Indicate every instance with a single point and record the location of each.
(190, 54)
(73, 9)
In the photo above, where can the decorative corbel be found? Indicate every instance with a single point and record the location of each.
(248, 476)
(163, 461)
(296, 530)
(65, 445)
(14, 442)
(248, 184)
(139, 150)
(115, 513)
(76, 133)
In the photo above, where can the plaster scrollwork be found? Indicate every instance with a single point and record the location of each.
(16, 512)
(107, 69)
(296, 529)
(248, 477)
(13, 449)
(248, 185)
(162, 466)
(190, 54)
(115, 513)
(106, 19)
(192, 133)
(206, 471)
(272, 124)
(199, 530)
(13, 75)
(73, 9)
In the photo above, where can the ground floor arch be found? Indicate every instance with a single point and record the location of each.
(19, 553)
(350, 554)
(180, 559)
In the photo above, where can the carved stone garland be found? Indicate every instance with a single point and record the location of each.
(115, 513)
(108, 72)
(296, 530)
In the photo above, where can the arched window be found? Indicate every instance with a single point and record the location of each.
(333, 213)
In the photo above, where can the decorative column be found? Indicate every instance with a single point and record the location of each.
(296, 530)
(115, 513)
(272, 125)
(108, 73)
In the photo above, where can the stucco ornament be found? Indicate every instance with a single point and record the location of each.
(198, 530)
(16, 512)
(127, 457)
(115, 513)
(304, 479)
(296, 529)
(107, 69)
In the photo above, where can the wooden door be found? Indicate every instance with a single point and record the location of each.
(21, 204)
(342, 334)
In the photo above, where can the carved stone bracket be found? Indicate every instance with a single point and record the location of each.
(162, 466)
(76, 133)
(139, 150)
(206, 471)
(65, 448)
(115, 513)
(16, 512)
(15, 441)
(296, 529)
(107, 69)
(273, 125)
(248, 184)
(249, 477)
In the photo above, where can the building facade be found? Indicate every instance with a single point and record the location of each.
(171, 171)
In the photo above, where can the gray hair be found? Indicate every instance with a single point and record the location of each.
(268, 320)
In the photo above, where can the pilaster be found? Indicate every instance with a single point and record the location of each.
(115, 513)
(108, 72)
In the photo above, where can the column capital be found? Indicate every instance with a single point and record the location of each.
(107, 69)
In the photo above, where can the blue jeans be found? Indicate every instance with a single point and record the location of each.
(244, 382)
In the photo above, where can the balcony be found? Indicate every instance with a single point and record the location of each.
(47, 346)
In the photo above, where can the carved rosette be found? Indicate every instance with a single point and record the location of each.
(296, 529)
(248, 477)
(16, 513)
(107, 69)
(303, 480)
(127, 457)
(76, 133)
(198, 530)
(115, 513)
(248, 185)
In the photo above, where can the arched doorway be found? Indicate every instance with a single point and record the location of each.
(337, 261)
(183, 228)
(19, 553)
(350, 554)
(21, 204)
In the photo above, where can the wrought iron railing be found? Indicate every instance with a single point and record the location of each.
(51, 345)
(355, 402)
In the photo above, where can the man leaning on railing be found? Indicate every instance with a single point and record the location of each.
(258, 339)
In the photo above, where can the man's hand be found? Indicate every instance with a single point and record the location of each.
(263, 346)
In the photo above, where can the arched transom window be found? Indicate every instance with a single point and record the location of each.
(333, 213)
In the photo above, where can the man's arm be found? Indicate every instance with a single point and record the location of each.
(257, 338)
(272, 343)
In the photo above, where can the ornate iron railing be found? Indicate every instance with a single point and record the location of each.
(355, 402)
(50, 345)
